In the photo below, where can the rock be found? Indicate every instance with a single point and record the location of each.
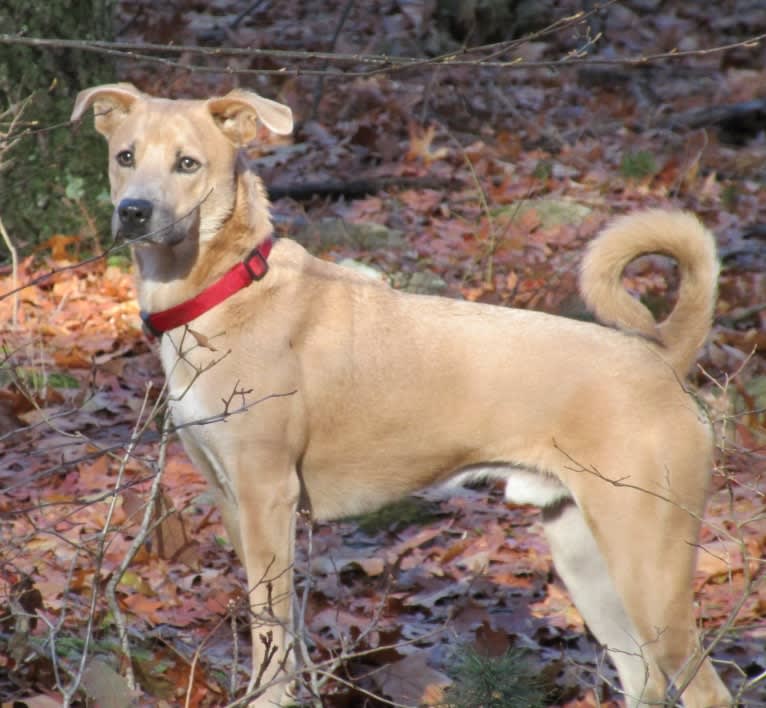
(366, 235)
(363, 269)
(551, 212)
(423, 281)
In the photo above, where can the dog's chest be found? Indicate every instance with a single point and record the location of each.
(190, 375)
(197, 403)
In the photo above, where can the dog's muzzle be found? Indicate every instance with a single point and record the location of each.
(142, 219)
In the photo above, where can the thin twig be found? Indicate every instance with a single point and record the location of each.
(102, 256)
(14, 273)
(248, 10)
(198, 653)
(7, 140)
(143, 533)
(96, 585)
(319, 88)
(380, 63)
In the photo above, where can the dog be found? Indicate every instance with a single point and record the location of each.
(297, 383)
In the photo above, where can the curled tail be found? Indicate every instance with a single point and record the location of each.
(678, 235)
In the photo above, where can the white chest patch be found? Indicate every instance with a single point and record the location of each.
(195, 417)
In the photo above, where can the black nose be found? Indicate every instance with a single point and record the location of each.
(135, 214)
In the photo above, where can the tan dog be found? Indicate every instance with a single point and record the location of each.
(379, 393)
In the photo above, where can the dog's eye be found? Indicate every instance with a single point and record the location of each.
(125, 158)
(187, 164)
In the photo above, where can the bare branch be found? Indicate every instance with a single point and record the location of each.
(139, 540)
(482, 56)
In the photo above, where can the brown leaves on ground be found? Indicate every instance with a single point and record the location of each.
(540, 163)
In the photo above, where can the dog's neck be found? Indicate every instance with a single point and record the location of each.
(170, 275)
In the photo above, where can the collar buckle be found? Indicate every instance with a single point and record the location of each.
(149, 330)
(261, 269)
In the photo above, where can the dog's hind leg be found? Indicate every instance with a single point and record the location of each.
(628, 562)
(582, 567)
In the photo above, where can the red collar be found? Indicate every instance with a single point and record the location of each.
(254, 267)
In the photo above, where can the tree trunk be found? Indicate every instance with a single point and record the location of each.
(48, 173)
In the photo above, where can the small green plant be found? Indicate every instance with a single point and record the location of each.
(730, 196)
(638, 165)
(543, 170)
(398, 515)
(36, 379)
(119, 260)
(506, 681)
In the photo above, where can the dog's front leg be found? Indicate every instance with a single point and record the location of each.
(268, 494)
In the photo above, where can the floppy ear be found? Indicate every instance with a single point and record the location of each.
(111, 105)
(236, 114)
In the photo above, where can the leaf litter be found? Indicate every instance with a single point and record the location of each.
(470, 570)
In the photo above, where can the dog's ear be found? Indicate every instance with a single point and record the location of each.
(237, 113)
(111, 104)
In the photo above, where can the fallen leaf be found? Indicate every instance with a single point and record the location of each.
(59, 245)
(201, 339)
(106, 687)
(411, 681)
(420, 145)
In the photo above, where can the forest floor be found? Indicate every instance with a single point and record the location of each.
(488, 183)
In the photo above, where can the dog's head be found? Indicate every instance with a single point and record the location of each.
(172, 164)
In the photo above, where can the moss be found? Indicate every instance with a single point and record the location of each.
(56, 181)
(400, 514)
(638, 165)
